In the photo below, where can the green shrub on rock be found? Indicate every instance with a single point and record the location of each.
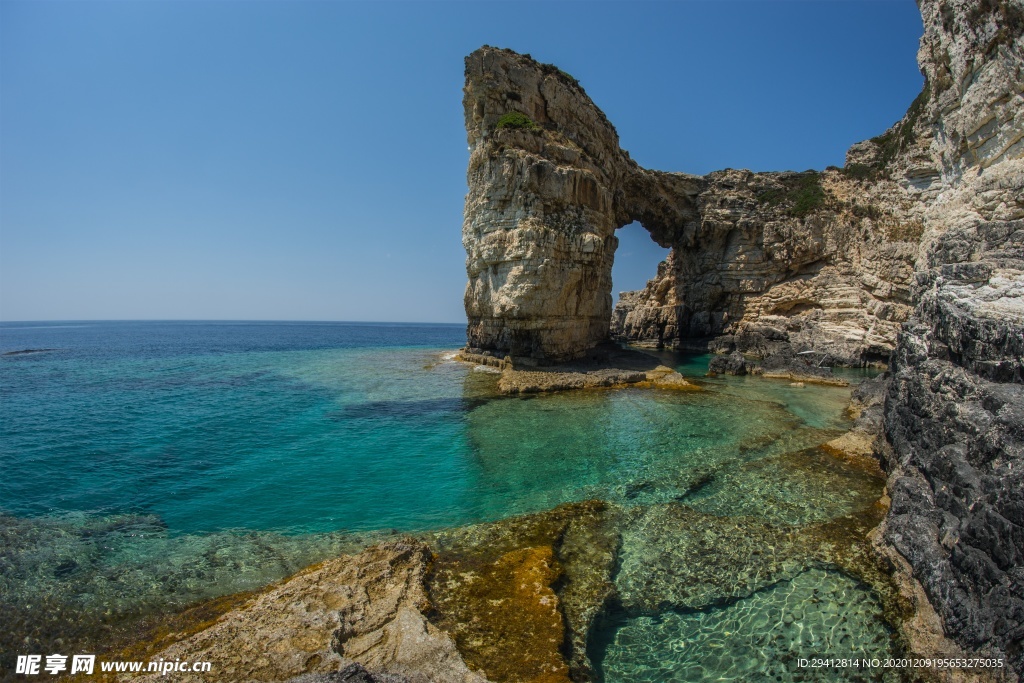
(800, 196)
(808, 195)
(516, 119)
(859, 171)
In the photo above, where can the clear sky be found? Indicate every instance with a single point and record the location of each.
(305, 160)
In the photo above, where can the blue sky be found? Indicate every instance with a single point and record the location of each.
(306, 160)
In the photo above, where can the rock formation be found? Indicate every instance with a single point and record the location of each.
(508, 601)
(954, 415)
(911, 255)
(826, 262)
(365, 610)
(782, 262)
(757, 259)
(549, 186)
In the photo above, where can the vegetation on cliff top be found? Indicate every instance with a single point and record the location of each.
(568, 76)
(859, 171)
(516, 119)
(801, 195)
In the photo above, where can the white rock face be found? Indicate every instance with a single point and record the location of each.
(758, 261)
(543, 206)
(913, 253)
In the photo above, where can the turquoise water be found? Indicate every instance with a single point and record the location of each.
(148, 465)
(758, 639)
(250, 427)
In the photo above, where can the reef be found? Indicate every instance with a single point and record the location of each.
(532, 598)
(910, 256)
(605, 366)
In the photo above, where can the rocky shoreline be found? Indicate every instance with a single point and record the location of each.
(517, 600)
(530, 598)
(909, 257)
(604, 366)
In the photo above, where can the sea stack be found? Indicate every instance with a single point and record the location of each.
(548, 187)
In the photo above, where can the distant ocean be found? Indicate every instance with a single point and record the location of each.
(150, 464)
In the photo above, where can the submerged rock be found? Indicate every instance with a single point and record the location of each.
(494, 608)
(24, 352)
(675, 557)
(606, 365)
(520, 596)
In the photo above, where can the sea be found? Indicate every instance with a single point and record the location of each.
(147, 466)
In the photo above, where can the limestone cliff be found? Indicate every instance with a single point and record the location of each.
(548, 188)
(825, 262)
(798, 258)
(912, 254)
(782, 262)
(954, 416)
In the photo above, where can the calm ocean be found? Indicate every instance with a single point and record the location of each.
(145, 465)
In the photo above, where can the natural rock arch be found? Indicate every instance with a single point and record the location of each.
(925, 219)
(545, 199)
(549, 186)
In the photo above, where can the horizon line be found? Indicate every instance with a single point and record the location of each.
(225, 320)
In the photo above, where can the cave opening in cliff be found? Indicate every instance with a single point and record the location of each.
(636, 261)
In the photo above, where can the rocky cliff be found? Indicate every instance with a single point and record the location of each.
(549, 186)
(778, 262)
(954, 415)
(912, 254)
(825, 262)
(805, 259)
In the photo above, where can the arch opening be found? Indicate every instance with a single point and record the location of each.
(637, 261)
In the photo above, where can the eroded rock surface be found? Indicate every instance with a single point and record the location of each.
(760, 260)
(520, 596)
(366, 610)
(546, 196)
(781, 263)
(606, 365)
(954, 418)
(910, 254)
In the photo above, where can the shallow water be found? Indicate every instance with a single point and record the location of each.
(215, 427)
(149, 465)
(759, 638)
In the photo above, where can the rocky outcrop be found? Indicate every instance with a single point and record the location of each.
(548, 187)
(513, 600)
(732, 364)
(829, 268)
(911, 254)
(605, 366)
(781, 366)
(782, 262)
(866, 405)
(759, 259)
(953, 417)
(365, 610)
